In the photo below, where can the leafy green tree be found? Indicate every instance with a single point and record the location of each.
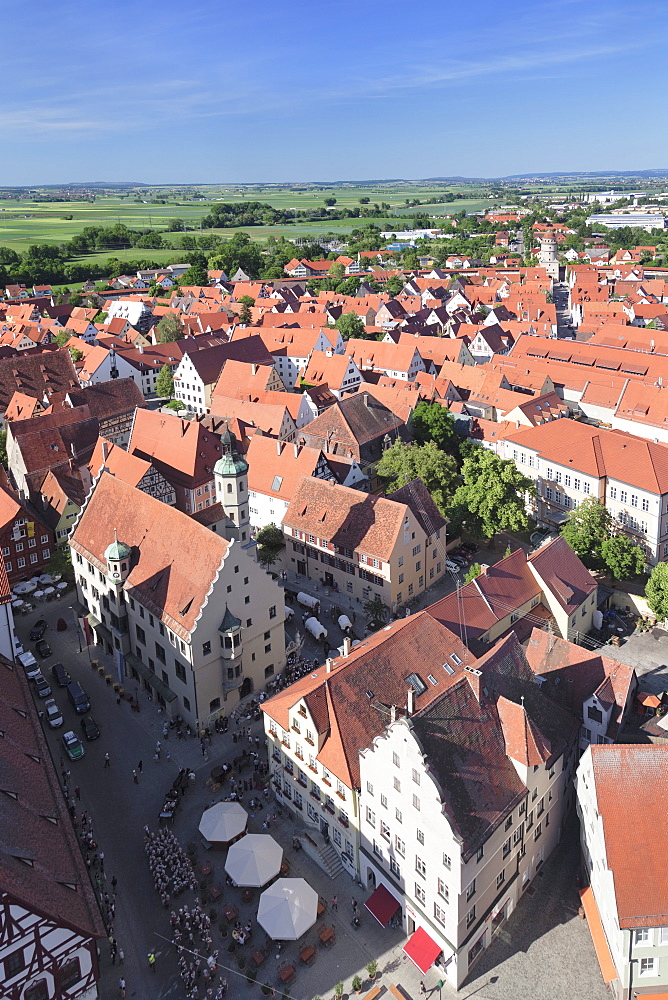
(433, 422)
(402, 463)
(350, 325)
(3, 448)
(474, 570)
(494, 493)
(75, 299)
(245, 315)
(394, 284)
(364, 201)
(376, 611)
(656, 591)
(169, 329)
(508, 551)
(195, 275)
(622, 557)
(62, 337)
(330, 201)
(61, 562)
(164, 384)
(336, 271)
(587, 528)
(176, 405)
(76, 354)
(270, 542)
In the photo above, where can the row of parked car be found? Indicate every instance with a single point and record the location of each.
(462, 557)
(60, 678)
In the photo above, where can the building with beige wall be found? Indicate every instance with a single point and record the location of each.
(364, 546)
(183, 610)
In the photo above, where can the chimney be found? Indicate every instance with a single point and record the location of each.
(296, 450)
(365, 399)
(254, 369)
(347, 645)
(328, 664)
(393, 713)
(410, 701)
(105, 451)
(278, 447)
(141, 348)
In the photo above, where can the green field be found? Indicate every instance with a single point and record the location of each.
(24, 221)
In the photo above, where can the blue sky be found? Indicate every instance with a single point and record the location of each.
(259, 91)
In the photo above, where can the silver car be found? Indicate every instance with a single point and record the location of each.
(52, 713)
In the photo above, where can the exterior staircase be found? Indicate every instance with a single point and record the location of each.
(324, 856)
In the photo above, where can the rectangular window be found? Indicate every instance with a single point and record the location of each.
(383, 800)
(395, 760)
(400, 846)
(398, 815)
(141, 635)
(420, 894)
(642, 935)
(470, 891)
(647, 967)
(439, 913)
(14, 963)
(443, 890)
(206, 648)
(447, 862)
(415, 776)
(416, 803)
(420, 866)
(420, 836)
(506, 848)
(479, 854)
(397, 785)
(470, 917)
(394, 868)
(370, 816)
(70, 973)
(500, 878)
(384, 830)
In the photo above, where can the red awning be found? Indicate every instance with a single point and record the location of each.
(601, 948)
(382, 904)
(421, 950)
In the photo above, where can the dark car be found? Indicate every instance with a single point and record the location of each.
(90, 728)
(60, 675)
(38, 630)
(43, 648)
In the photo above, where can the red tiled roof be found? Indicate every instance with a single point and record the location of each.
(631, 785)
(159, 535)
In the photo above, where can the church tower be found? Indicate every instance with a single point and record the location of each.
(230, 475)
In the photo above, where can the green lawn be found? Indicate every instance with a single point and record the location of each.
(24, 221)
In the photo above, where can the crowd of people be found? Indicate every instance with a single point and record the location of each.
(170, 867)
(297, 666)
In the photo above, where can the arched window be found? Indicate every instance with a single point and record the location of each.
(229, 487)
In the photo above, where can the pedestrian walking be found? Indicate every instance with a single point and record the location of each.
(121, 988)
(151, 961)
(335, 903)
(77, 792)
(114, 883)
(107, 762)
(423, 989)
(140, 766)
(135, 777)
(121, 956)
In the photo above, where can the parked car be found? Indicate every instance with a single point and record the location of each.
(42, 686)
(43, 648)
(38, 630)
(60, 675)
(29, 664)
(470, 546)
(73, 745)
(53, 714)
(452, 566)
(90, 727)
(460, 561)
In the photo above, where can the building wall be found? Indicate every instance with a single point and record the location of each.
(24, 559)
(460, 901)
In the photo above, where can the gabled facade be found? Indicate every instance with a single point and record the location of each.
(461, 803)
(200, 632)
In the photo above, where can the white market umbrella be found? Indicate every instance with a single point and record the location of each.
(287, 909)
(45, 579)
(49, 590)
(61, 586)
(38, 594)
(254, 860)
(223, 822)
(25, 588)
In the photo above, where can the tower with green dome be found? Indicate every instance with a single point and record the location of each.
(230, 475)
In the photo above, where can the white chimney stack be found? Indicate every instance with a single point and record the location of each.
(410, 701)
(347, 645)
